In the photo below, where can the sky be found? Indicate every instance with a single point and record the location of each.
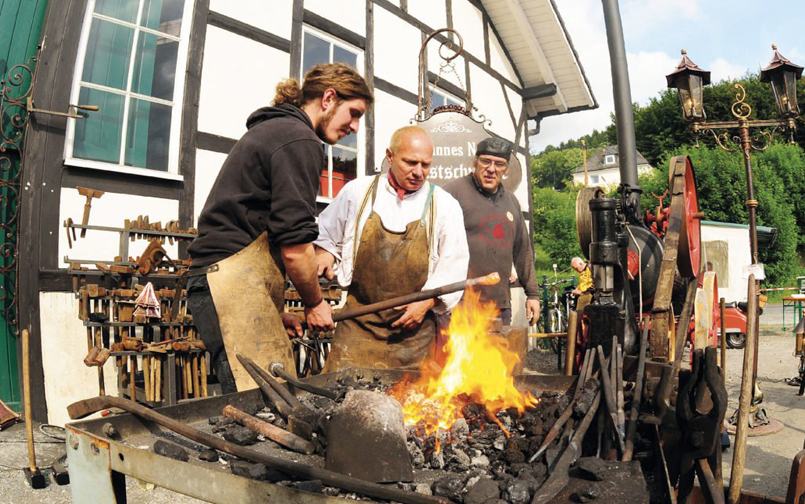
(728, 38)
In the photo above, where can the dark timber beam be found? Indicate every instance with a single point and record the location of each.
(541, 91)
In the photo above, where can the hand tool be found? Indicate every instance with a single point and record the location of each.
(60, 474)
(89, 193)
(608, 397)
(286, 395)
(278, 370)
(270, 394)
(81, 409)
(637, 397)
(563, 418)
(490, 279)
(272, 432)
(34, 476)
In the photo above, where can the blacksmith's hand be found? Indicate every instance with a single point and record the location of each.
(414, 314)
(576, 292)
(319, 318)
(293, 326)
(532, 311)
(324, 264)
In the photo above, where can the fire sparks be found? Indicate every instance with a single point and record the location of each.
(479, 368)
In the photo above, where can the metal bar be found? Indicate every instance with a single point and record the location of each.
(282, 407)
(631, 430)
(723, 341)
(272, 432)
(278, 370)
(608, 396)
(83, 408)
(152, 232)
(570, 347)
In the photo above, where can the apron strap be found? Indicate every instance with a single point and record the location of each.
(370, 192)
(429, 215)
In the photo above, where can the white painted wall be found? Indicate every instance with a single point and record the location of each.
(431, 12)
(351, 14)
(110, 210)
(468, 22)
(391, 113)
(397, 46)
(274, 16)
(609, 177)
(64, 344)
(208, 165)
(238, 77)
(739, 258)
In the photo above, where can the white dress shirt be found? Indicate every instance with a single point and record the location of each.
(449, 254)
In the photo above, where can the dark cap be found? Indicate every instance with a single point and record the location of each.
(497, 147)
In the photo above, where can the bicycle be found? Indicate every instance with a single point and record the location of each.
(557, 306)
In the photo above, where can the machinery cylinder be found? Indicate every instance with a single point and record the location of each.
(604, 253)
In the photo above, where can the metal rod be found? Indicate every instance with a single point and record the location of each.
(272, 432)
(286, 395)
(723, 341)
(619, 392)
(81, 409)
(275, 399)
(624, 118)
(631, 429)
(739, 452)
(608, 397)
(278, 370)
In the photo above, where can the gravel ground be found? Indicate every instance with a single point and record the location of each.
(768, 461)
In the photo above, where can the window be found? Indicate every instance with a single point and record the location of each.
(594, 179)
(609, 159)
(440, 98)
(130, 64)
(344, 162)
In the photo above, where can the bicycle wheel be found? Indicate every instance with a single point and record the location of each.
(554, 326)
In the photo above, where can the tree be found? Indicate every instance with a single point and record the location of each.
(555, 168)
(555, 227)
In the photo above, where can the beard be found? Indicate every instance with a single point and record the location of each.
(321, 129)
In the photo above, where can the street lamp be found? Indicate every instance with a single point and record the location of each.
(689, 80)
(783, 76)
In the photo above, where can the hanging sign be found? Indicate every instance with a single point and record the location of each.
(455, 137)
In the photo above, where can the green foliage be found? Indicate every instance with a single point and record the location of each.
(555, 169)
(593, 140)
(555, 228)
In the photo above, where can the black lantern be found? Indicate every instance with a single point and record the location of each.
(783, 76)
(689, 80)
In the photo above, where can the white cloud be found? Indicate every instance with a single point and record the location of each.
(721, 69)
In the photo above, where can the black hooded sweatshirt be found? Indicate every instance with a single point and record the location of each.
(269, 182)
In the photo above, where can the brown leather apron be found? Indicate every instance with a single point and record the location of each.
(386, 264)
(248, 291)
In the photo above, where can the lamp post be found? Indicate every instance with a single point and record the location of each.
(689, 80)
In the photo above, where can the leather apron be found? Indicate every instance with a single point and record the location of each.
(386, 264)
(248, 291)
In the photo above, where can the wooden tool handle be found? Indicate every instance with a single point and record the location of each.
(272, 432)
(26, 398)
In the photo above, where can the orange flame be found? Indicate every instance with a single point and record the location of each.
(479, 368)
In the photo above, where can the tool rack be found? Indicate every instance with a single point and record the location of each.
(159, 361)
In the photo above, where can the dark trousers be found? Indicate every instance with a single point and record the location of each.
(199, 301)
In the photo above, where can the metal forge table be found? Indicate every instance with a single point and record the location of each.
(99, 464)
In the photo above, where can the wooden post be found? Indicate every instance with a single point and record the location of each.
(572, 328)
(739, 453)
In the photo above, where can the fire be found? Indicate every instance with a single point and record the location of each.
(479, 368)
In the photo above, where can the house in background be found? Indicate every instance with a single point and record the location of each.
(603, 168)
(175, 81)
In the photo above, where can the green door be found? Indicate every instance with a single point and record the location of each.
(20, 29)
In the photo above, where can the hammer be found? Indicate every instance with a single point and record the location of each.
(89, 193)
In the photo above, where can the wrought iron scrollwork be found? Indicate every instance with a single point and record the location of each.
(15, 89)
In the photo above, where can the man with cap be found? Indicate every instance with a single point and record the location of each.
(497, 234)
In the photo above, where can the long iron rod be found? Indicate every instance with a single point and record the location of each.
(609, 397)
(86, 407)
(631, 429)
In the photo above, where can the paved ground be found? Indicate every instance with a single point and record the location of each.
(768, 461)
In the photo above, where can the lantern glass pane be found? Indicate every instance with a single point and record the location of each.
(791, 92)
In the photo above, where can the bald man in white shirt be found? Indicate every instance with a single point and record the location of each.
(410, 237)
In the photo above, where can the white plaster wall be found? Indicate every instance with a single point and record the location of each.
(238, 77)
(522, 190)
(208, 165)
(396, 51)
(498, 59)
(435, 62)
(392, 114)
(351, 14)
(487, 95)
(609, 177)
(111, 210)
(739, 258)
(64, 346)
(431, 12)
(273, 16)
(468, 22)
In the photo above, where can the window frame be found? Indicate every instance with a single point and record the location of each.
(436, 90)
(360, 150)
(176, 103)
(610, 159)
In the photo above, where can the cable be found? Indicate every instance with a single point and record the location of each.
(60, 437)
